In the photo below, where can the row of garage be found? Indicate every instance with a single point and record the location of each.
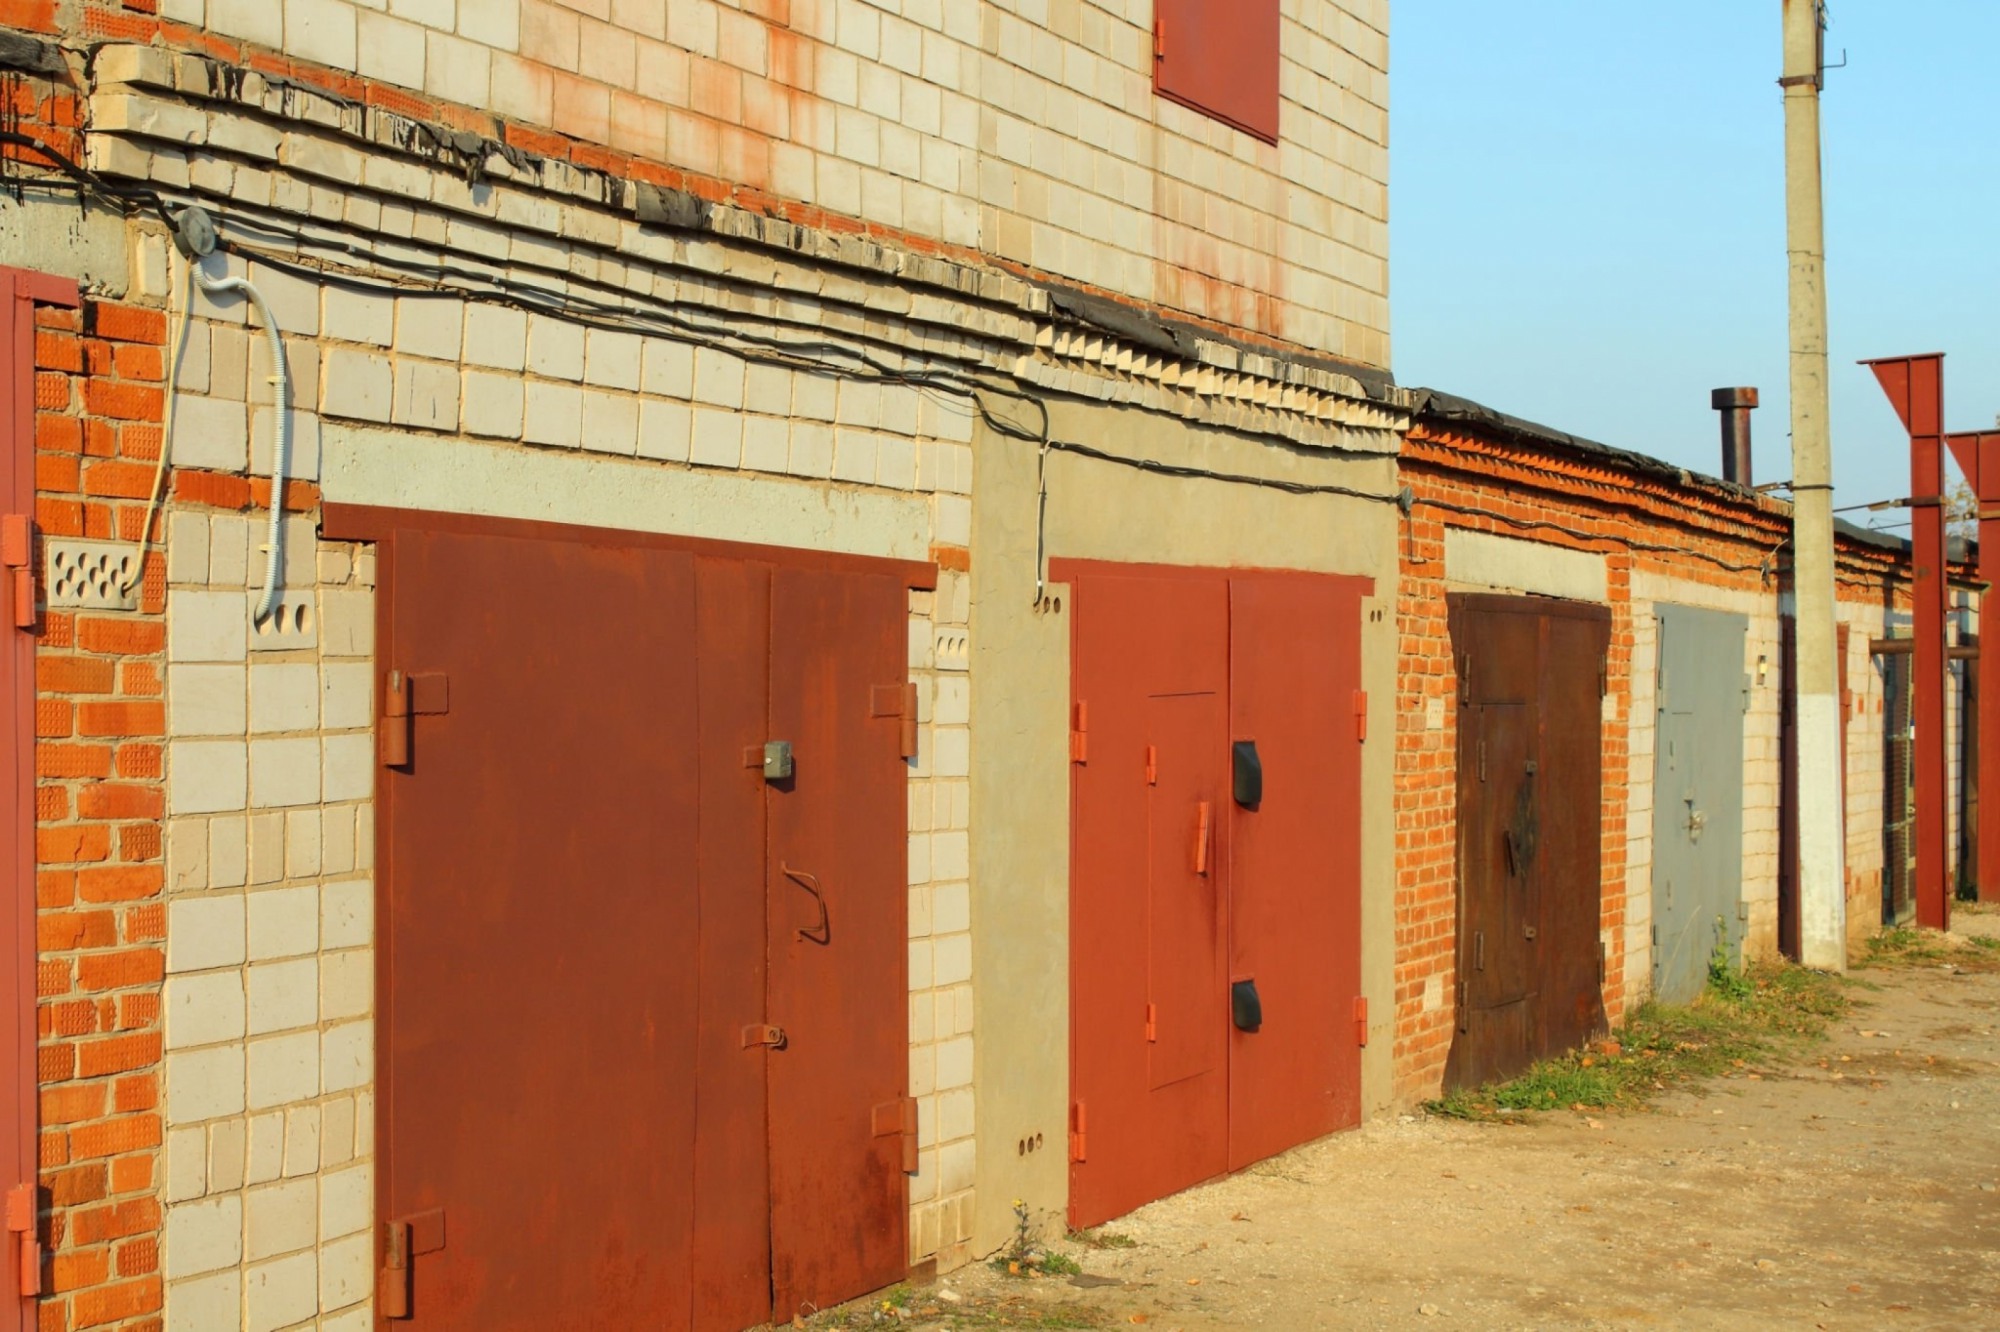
(1303, 784)
(1208, 809)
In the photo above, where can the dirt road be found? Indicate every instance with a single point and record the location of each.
(1852, 1189)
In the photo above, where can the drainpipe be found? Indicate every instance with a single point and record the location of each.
(1735, 404)
(1822, 823)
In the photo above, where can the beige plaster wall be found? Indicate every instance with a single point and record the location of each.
(1020, 765)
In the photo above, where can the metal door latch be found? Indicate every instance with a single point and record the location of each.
(777, 760)
(762, 1034)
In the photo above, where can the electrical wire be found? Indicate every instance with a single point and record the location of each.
(427, 280)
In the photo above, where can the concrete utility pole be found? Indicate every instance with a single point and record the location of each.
(1815, 682)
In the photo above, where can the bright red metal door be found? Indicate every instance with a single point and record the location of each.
(539, 1051)
(1295, 861)
(1151, 671)
(837, 946)
(1186, 1037)
(20, 1267)
(1178, 891)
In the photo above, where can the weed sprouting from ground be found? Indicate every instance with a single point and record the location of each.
(1746, 1017)
(1027, 1255)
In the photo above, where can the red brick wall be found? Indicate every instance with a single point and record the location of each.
(100, 726)
(1604, 509)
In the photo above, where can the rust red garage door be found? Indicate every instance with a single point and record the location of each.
(1530, 818)
(20, 1250)
(1215, 887)
(642, 1058)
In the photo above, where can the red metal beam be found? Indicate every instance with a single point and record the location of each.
(1915, 385)
(1984, 476)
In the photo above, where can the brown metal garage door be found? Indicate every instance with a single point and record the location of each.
(1530, 818)
(643, 1049)
(1191, 895)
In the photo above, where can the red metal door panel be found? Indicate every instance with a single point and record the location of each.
(1135, 637)
(1295, 861)
(538, 1056)
(732, 1232)
(1221, 59)
(20, 1265)
(1184, 952)
(837, 940)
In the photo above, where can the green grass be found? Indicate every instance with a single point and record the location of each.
(1912, 946)
(1098, 1238)
(1763, 1012)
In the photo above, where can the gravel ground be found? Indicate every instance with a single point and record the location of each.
(1852, 1188)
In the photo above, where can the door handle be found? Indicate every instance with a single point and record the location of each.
(821, 933)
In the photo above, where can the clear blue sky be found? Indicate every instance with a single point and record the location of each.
(1587, 216)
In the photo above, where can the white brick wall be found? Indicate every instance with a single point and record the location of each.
(270, 984)
(1016, 127)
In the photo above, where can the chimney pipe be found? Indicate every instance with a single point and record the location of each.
(1735, 404)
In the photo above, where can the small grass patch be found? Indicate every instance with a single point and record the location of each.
(1100, 1238)
(1913, 946)
(1763, 1011)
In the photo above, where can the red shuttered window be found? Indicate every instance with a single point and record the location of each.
(1221, 58)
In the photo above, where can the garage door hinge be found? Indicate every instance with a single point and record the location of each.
(404, 1239)
(1152, 1022)
(1078, 1132)
(1361, 714)
(898, 1118)
(17, 554)
(1361, 1019)
(1464, 1013)
(1601, 962)
(404, 698)
(21, 1221)
(1482, 758)
(898, 701)
(1079, 732)
(1159, 39)
(1465, 678)
(1152, 765)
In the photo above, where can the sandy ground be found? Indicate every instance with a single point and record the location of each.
(1854, 1188)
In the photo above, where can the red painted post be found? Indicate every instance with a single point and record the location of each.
(1915, 385)
(1985, 452)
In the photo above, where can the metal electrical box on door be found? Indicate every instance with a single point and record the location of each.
(1531, 679)
(1702, 693)
(1216, 1016)
(643, 1051)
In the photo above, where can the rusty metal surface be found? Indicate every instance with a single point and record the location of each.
(1529, 830)
(732, 1237)
(1222, 60)
(678, 1100)
(1170, 908)
(1735, 406)
(1915, 387)
(20, 1264)
(839, 1217)
(542, 917)
(1295, 862)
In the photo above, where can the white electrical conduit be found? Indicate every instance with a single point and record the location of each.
(177, 342)
(281, 435)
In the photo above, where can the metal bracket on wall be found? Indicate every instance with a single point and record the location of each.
(17, 548)
(21, 1221)
(403, 1239)
(404, 698)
